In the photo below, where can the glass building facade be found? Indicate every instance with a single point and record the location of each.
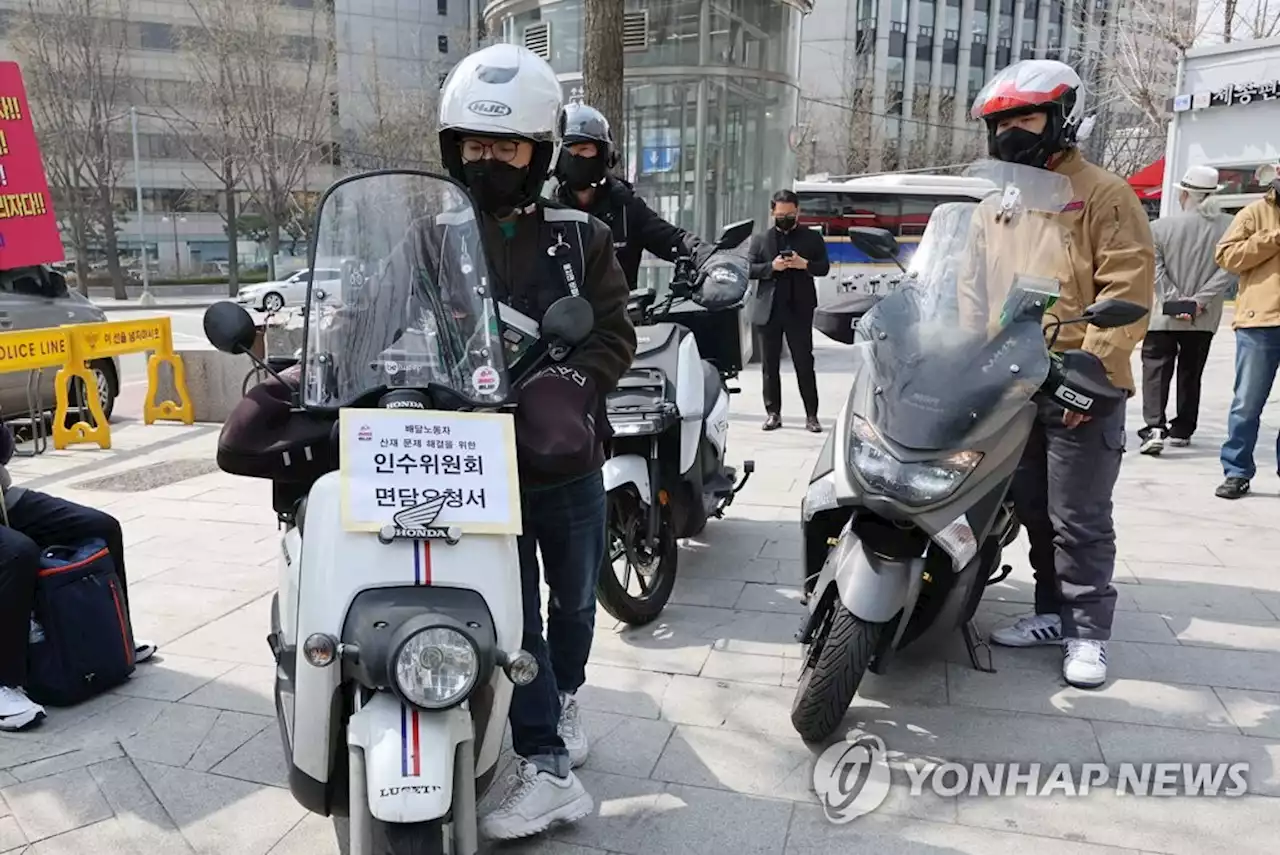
(711, 96)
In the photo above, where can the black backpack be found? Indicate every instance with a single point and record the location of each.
(81, 642)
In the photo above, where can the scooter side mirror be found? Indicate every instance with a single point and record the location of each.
(229, 327)
(878, 244)
(1112, 313)
(569, 320)
(734, 234)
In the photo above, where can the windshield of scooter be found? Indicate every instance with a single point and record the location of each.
(960, 341)
(414, 306)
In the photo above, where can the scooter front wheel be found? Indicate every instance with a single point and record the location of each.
(635, 580)
(418, 838)
(838, 656)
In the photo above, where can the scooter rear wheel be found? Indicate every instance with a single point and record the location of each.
(652, 571)
(841, 650)
(419, 838)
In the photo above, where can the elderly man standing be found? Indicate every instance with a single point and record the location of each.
(1251, 249)
(1190, 289)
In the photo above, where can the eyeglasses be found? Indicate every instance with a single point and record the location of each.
(503, 151)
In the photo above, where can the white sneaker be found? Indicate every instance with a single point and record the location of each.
(1030, 631)
(535, 801)
(143, 651)
(17, 711)
(1084, 662)
(1179, 442)
(1153, 444)
(572, 732)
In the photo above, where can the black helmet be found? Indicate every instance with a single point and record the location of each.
(584, 123)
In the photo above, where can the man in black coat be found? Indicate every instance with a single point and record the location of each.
(582, 170)
(784, 261)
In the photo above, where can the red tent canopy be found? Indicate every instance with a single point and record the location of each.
(1148, 181)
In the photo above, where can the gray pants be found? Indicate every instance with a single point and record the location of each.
(1062, 494)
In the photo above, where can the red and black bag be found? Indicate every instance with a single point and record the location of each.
(81, 642)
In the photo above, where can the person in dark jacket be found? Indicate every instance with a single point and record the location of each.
(32, 522)
(501, 115)
(784, 262)
(582, 171)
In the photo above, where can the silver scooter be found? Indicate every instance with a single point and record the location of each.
(907, 513)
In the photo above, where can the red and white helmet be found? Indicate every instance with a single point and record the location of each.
(1034, 85)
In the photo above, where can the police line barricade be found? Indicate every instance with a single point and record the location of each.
(33, 351)
(71, 348)
(87, 342)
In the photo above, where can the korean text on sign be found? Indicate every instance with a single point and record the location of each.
(398, 459)
(28, 227)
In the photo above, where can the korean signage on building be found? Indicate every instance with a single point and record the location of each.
(1227, 96)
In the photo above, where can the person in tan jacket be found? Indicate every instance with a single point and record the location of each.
(1251, 249)
(1063, 486)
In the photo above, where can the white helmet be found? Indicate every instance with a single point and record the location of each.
(503, 91)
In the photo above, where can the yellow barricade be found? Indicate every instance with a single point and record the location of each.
(87, 342)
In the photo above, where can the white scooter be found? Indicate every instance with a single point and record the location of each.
(667, 472)
(396, 650)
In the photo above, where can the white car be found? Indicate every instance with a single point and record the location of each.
(274, 296)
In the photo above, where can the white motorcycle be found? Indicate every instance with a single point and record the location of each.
(667, 472)
(397, 644)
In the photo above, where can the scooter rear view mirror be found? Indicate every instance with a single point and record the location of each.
(569, 320)
(229, 327)
(1112, 313)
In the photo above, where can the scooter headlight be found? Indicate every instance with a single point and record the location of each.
(436, 668)
(919, 483)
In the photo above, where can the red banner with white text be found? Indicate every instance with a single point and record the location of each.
(28, 228)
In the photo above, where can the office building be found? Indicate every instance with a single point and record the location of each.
(889, 83)
(403, 44)
(711, 96)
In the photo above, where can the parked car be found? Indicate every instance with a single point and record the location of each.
(274, 296)
(27, 303)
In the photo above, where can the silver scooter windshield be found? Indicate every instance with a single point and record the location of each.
(414, 305)
(961, 340)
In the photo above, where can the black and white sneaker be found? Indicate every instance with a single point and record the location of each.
(1084, 662)
(1179, 441)
(17, 711)
(1030, 631)
(1152, 443)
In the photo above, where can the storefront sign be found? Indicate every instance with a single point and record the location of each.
(28, 228)
(1228, 96)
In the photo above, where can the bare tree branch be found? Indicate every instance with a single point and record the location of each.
(74, 54)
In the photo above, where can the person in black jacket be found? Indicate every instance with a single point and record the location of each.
(582, 170)
(32, 522)
(784, 261)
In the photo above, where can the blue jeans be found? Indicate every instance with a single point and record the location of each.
(567, 523)
(1257, 358)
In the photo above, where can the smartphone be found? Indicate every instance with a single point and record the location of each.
(1180, 307)
(787, 253)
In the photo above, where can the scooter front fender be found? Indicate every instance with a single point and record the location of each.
(872, 588)
(627, 469)
(409, 757)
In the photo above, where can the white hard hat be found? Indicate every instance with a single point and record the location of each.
(1200, 179)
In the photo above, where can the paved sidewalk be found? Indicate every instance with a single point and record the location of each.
(693, 751)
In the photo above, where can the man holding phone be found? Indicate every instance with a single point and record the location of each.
(1190, 290)
(784, 261)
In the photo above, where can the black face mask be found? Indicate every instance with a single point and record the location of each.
(786, 223)
(1018, 145)
(497, 187)
(580, 173)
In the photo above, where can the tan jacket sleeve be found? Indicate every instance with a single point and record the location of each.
(1244, 247)
(974, 308)
(1123, 269)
